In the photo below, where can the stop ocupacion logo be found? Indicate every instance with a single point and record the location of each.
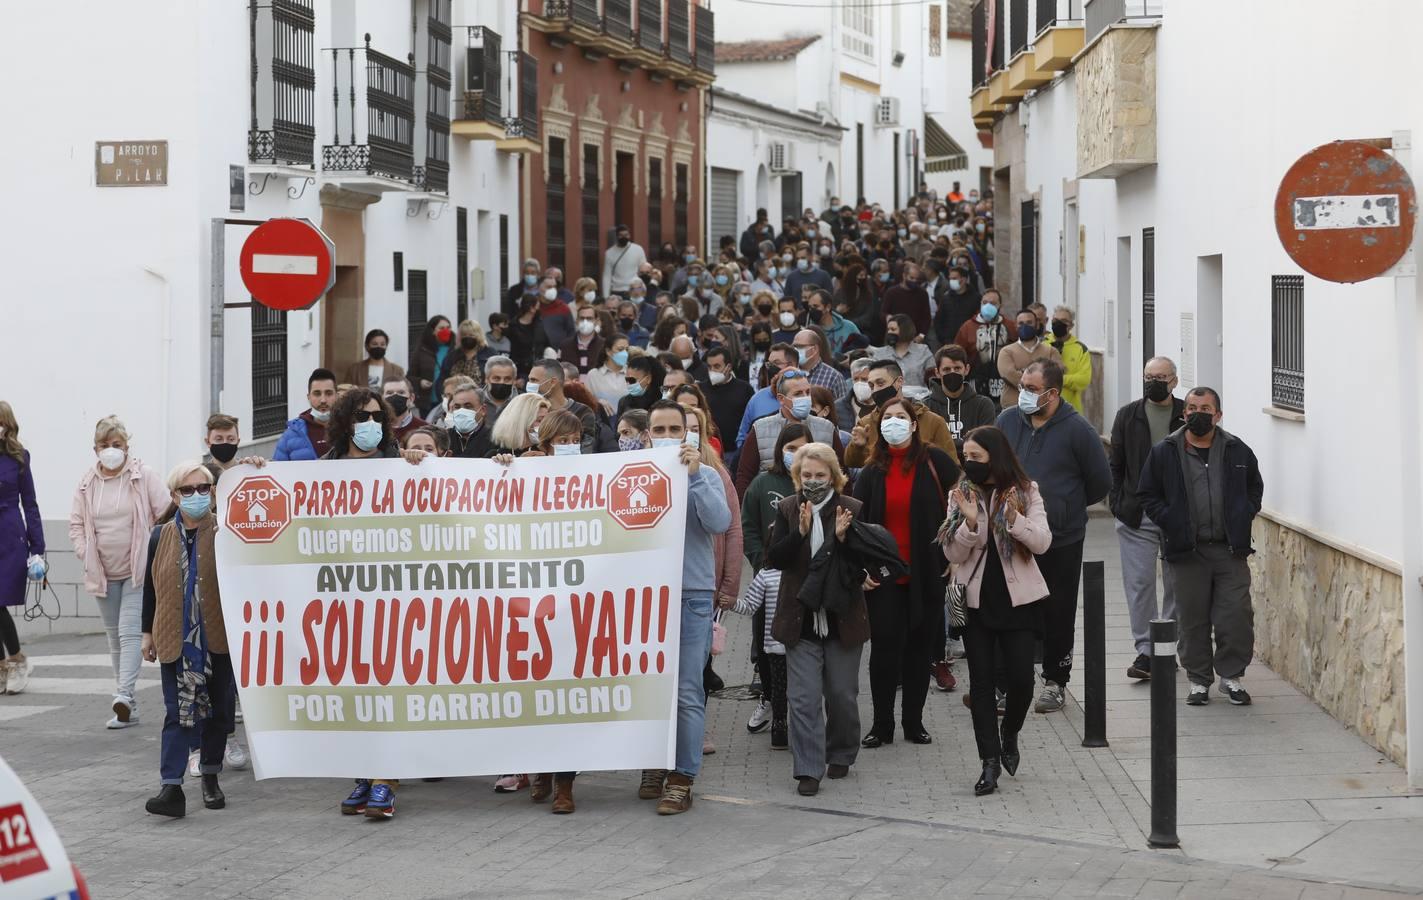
(259, 510)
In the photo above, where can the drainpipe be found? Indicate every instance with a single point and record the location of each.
(165, 317)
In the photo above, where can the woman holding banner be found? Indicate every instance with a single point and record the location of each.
(511, 433)
(823, 642)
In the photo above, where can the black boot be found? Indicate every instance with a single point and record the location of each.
(169, 802)
(780, 734)
(988, 781)
(1010, 756)
(213, 797)
(711, 682)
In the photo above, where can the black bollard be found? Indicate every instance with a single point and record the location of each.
(1163, 734)
(1094, 652)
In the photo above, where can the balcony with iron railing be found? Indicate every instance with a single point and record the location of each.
(1102, 14)
(499, 101)
(675, 38)
(373, 102)
(282, 124)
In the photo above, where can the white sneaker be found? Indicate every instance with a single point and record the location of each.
(237, 715)
(19, 675)
(1050, 700)
(956, 650)
(234, 757)
(195, 764)
(760, 719)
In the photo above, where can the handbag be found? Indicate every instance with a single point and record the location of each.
(956, 596)
(718, 635)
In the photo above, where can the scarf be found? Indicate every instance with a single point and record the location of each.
(821, 621)
(998, 520)
(194, 666)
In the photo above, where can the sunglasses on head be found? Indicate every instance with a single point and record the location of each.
(188, 490)
(365, 415)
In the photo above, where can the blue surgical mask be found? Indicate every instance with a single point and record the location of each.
(772, 272)
(531, 387)
(787, 457)
(693, 279)
(800, 407)
(902, 232)
(802, 264)
(721, 280)
(1029, 402)
(803, 354)
(196, 506)
(666, 442)
(567, 449)
(694, 439)
(895, 431)
(367, 435)
(464, 420)
(689, 258)
(636, 389)
(531, 280)
(620, 358)
(884, 276)
(810, 232)
(955, 284)
(989, 312)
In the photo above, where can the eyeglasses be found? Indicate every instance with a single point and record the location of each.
(629, 379)
(365, 415)
(189, 490)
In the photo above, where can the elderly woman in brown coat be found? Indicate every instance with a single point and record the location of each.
(822, 647)
(183, 631)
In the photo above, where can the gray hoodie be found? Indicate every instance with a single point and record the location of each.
(1065, 457)
(707, 516)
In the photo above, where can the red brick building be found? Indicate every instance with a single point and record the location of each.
(621, 87)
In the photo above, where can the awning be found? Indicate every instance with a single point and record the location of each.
(941, 152)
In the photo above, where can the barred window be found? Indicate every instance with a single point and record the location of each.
(1287, 342)
(936, 28)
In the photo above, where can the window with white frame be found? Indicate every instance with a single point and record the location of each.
(858, 20)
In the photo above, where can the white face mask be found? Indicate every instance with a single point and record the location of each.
(551, 294)
(716, 377)
(787, 319)
(585, 326)
(589, 296)
(567, 450)
(111, 458)
(862, 391)
(693, 439)
(687, 362)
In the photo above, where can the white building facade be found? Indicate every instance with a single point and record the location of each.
(1139, 148)
(337, 111)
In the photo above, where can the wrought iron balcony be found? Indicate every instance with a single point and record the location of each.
(282, 129)
(374, 106)
(483, 81)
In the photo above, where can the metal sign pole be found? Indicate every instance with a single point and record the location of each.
(218, 262)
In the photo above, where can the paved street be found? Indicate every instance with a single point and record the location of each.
(1277, 800)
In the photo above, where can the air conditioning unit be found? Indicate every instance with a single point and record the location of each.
(887, 111)
(782, 156)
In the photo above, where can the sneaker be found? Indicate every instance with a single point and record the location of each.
(1235, 691)
(234, 757)
(1141, 668)
(676, 795)
(381, 803)
(780, 735)
(237, 714)
(1002, 703)
(708, 748)
(760, 719)
(114, 724)
(943, 678)
(355, 804)
(194, 763)
(651, 786)
(123, 708)
(4, 676)
(956, 650)
(19, 675)
(1200, 695)
(1050, 700)
(511, 784)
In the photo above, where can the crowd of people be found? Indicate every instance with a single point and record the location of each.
(899, 457)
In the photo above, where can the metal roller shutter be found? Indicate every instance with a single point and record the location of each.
(724, 218)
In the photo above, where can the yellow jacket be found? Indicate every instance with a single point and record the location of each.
(1077, 363)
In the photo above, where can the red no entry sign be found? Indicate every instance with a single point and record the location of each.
(288, 264)
(1345, 211)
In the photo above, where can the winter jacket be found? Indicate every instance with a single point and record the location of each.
(954, 310)
(358, 373)
(927, 506)
(1131, 443)
(762, 403)
(728, 546)
(932, 431)
(789, 551)
(1164, 497)
(295, 443)
(983, 342)
(21, 531)
(1030, 529)
(727, 401)
(1064, 456)
(150, 499)
(912, 301)
(585, 358)
(425, 363)
(963, 413)
(1077, 368)
(758, 512)
(840, 329)
(162, 614)
(813, 277)
(1013, 359)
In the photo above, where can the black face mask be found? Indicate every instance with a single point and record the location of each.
(884, 395)
(627, 324)
(764, 310)
(891, 338)
(952, 382)
(771, 370)
(1060, 329)
(622, 241)
(1156, 391)
(468, 343)
(501, 392)
(223, 453)
(398, 403)
(763, 346)
(1200, 423)
(376, 352)
(976, 471)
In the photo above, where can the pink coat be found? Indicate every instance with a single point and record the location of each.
(150, 497)
(1030, 529)
(727, 546)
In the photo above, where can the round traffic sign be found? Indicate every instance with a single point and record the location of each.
(1345, 211)
(288, 264)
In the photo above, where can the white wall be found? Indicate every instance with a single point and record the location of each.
(945, 78)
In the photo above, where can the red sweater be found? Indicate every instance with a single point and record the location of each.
(898, 486)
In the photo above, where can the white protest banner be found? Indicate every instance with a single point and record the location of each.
(458, 617)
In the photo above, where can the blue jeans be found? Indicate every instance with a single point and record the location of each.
(212, 732)
(691, 693)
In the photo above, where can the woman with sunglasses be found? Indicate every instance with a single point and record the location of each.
(184, 632)
(644, 376)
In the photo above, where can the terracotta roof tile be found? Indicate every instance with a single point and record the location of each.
(763, 51)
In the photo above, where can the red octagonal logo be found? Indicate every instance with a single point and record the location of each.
(259, 510)
(639, 496)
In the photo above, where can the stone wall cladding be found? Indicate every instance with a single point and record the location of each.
(1116, 103)
(1332, 625)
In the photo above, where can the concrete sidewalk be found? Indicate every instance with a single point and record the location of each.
(1278, 784)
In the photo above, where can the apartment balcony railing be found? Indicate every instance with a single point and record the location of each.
(523, 122)
(282, 127)
(484, 76)
(1102, 14)
(979, 74)
(374, 123)
(1057, 12)
(664, 36)
(1017, 26)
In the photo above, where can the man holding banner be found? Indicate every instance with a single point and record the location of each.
(707, 516)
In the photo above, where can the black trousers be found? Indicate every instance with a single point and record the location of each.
(1062, 570)
(1004, 658)
(9, 635)
(900, 656)
(773, 685)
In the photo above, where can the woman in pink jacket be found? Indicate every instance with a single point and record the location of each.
(996, 523)
(115, 506)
